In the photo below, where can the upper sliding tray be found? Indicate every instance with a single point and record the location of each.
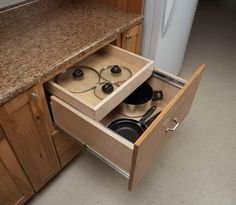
(87, 102)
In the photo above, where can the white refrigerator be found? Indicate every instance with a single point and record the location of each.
(167, 25)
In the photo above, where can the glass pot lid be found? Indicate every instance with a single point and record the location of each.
(115, 73)
(104, 89)
(78, 79)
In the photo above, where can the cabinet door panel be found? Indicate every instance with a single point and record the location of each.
(14, 186)
(27, 129)
(9, 191)
(131, 39)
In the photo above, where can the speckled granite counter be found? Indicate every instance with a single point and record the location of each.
(39, 43)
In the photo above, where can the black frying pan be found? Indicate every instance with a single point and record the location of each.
(150, 120)
(129, 128)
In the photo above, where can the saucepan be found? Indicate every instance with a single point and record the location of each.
(129, 128)
(140, 100)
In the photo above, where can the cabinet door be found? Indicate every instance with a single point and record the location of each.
(131, 39)
(14, 186)
(26, 123)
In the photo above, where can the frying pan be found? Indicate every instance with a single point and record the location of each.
(129, 128)
(150, 120)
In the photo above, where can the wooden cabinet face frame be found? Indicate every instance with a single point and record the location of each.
(14, 185)
(133, 6)
(26, 122)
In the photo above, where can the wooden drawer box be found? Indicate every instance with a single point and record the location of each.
(87, 102)
(131, 159)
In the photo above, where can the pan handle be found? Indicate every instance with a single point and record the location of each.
(150, 120)
(157, 95)
(146, 115)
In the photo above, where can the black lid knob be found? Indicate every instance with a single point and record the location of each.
(116, 69)
(107, 88)
(78, 73)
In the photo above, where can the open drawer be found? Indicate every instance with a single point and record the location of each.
(132, 160)
(141, 69)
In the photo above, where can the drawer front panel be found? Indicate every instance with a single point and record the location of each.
(150, 143)
(89, 132)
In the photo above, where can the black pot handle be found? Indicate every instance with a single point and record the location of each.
(146, 115)
(157, 95)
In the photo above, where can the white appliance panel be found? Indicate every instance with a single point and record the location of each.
(167, 25)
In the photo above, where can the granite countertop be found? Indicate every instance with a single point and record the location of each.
(36, 44)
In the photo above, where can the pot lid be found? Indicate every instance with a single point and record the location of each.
(115, 73)
(103, 89)
(78, 79)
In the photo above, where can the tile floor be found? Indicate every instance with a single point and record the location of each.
(198, 165)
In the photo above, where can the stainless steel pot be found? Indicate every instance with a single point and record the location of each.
(139, 101)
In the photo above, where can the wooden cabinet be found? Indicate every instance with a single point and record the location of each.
(131, 39)
(133, 6)
(66, 147)
(25, 121)
(14, 186)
